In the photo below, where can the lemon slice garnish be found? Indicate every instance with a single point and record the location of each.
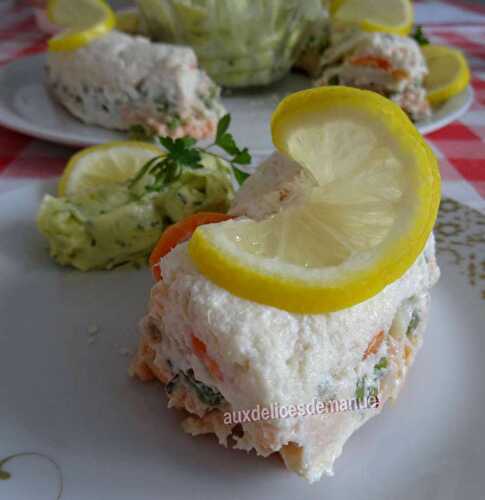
(82, 20)
(358, 227)
(106, 164)
(448, 72)
(390, 16)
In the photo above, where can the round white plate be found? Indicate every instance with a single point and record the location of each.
(26, 106)
(66, 395)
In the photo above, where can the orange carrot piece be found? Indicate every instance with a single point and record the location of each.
(200, 351)
(213, 368)
(374, 344)
(179, 232)
(399, 74)
(374, 61)
(198, 346)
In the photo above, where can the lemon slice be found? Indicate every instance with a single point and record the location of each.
(448, 72)
(356, 228)
(110, 163)
(82, 20)
(390, 16)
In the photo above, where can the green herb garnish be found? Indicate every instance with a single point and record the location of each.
(183, 153)
(381, 365)
(413, 324)
(363, 388)
(226, 141)
(360, 389)
(168, 168)
(208, 395)
(371, 389)
(419, 35)
(170, 387)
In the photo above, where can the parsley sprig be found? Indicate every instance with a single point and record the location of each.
(420, 36)
(226, 142)
(183, 153)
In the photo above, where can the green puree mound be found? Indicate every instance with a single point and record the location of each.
(115, 225)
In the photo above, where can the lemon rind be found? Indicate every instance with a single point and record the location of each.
(70, 40)
(64, 182)
(457, 85)
(372, 26)
(304, 297)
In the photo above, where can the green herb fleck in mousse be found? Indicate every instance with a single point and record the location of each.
(381, 365)
(206, 394)
(360, 388)
(371, 388)
(119, 224)
(413, 324)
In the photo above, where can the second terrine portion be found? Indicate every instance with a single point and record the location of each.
(391, 65)
(119, 80)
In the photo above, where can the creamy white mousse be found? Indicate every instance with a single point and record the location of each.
(254, 354)
(392, 65)
(119, 80)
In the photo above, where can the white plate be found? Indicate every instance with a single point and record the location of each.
(26, 106)
(114, 439)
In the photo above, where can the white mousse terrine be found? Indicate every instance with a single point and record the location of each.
(218, 353)
(119, 81)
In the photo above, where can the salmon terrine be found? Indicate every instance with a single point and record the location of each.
(391, 65)
(219, 354)
(119, 81)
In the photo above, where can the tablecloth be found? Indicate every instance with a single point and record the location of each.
(460, 146)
